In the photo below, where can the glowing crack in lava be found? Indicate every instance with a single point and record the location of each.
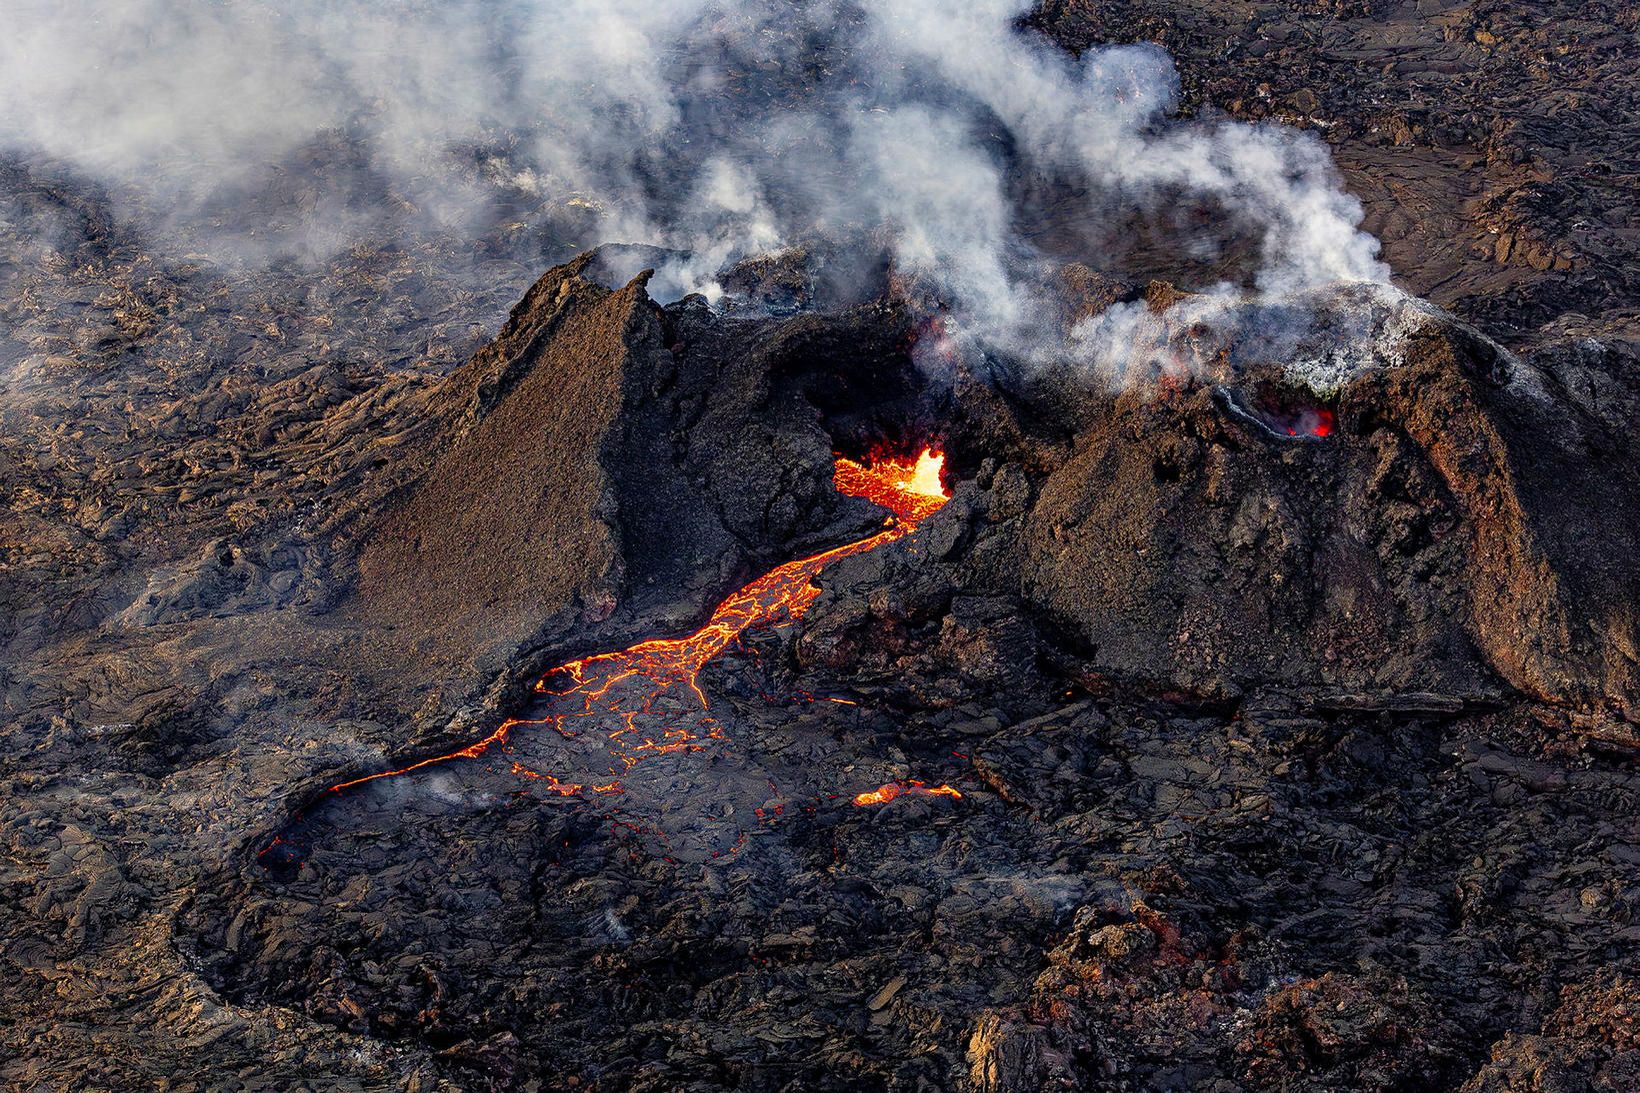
(889, 791)
(642, 697)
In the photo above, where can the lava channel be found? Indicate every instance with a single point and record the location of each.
(892, 790)
(646, 699)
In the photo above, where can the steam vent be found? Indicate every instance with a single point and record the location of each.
(793, 547)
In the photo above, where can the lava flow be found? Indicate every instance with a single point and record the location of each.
(889, 791)
(642, 696)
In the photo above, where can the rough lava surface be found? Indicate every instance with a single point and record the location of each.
(1291, 725)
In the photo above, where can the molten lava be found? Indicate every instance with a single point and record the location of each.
(1316, 422)
(889, 791)
(911, 491)
(634, 695)
(1281, 411)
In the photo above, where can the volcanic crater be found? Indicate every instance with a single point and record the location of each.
(1131, 710)
(786, 690)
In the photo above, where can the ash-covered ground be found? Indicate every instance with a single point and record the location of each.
(1290, 699)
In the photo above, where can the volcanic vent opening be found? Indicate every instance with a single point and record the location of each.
(1280, 411)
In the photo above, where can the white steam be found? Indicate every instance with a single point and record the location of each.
(716, 129)
(1320, 338)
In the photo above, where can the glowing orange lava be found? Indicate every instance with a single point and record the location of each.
(889, 791)
(911, 491)
(634, 694)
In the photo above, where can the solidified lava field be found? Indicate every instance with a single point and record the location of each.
(851, 545)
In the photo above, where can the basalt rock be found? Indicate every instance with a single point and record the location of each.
(1442, 519)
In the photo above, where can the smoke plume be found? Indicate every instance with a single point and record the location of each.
(249, 130)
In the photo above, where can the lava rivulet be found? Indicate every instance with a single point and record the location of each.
(891, 790)
(646, 699)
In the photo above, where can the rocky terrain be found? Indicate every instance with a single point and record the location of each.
(1291, 719)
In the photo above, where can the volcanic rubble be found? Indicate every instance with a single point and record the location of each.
(1288, 726)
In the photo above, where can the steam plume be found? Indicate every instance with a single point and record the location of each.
(716, 129)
